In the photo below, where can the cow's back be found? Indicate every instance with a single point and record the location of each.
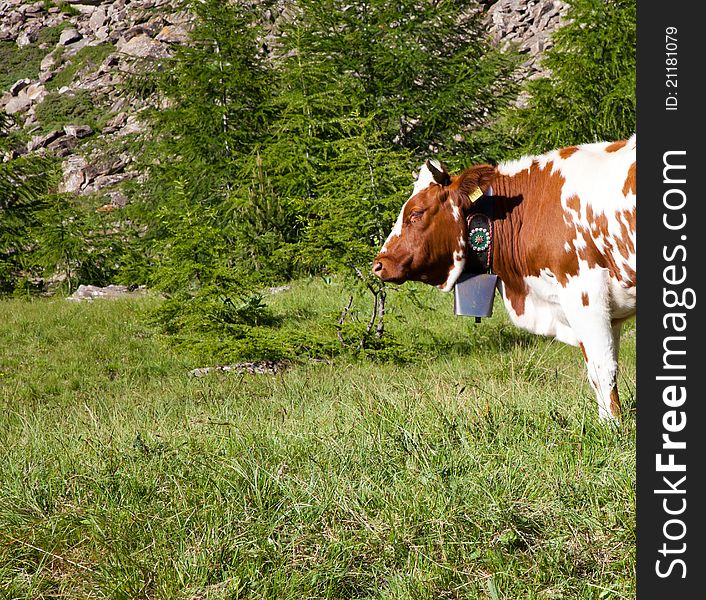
(561, 218)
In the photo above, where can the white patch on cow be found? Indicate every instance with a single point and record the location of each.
(396, 230)
(543, 313)
(424, 180)
(602, 194)
(513, 167)
(459, 257)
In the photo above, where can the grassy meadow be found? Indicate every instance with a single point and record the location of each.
(475, 468)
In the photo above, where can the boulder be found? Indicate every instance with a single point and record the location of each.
(69, 36)
(143, 46)
(173, 34)
(18, 104)
(78, 131)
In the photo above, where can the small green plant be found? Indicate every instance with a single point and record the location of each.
(77, 108)
(18, 63)
(85, 60)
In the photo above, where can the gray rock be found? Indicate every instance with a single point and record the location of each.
(63, 146)
(18, 104)
(19, 85)
(93, 292)
(143, 46)
(48, 62)
(173, 34)
(74, 174)
(35, 92)
(41, 141)
(78, 131)
(98, 19)
(26, 38)
(69, 36)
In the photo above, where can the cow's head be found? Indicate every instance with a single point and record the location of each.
(428, 241)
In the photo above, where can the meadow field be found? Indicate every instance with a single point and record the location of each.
(471, 466)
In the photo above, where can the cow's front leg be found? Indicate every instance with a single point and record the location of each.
(585, 301)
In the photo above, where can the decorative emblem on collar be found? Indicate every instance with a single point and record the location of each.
(479, 239)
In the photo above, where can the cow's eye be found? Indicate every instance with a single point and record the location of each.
(415, 216)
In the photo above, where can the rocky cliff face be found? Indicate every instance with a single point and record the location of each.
(63, 64)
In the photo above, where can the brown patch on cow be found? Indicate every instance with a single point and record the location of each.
(630, 218)
(615, 146)
(615, 408)
(574, 203)
(584, 298)
(630, 186)
(530, 230)
(566, 152)
(631, 276)
(583, 350)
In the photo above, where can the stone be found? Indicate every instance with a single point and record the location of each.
(74, 174)
(132, 125)
(173, 34)
(35, 92)
(98, 19)
(18, 104)
(18, 86)
(92, 292)
(48, 62)
(63, 146)
(143, 46)
(78, 131)
(41, 141)
(69, 36)
(26, 38)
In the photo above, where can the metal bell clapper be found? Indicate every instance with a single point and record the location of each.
(474, 295)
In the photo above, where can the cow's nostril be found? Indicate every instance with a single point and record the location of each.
(377, 267)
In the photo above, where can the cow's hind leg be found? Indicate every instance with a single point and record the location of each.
(586, 305)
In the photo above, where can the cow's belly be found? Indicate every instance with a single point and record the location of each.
(592, 293)
(543, 313)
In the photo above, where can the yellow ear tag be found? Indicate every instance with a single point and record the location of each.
(475, 194)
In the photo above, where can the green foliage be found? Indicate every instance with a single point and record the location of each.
(85, 60)
(424, 69)
(75, 108)
(76, 242)
(24, 185)
(18, 63)
(590, 94)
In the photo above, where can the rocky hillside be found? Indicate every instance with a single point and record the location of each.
(63, 64)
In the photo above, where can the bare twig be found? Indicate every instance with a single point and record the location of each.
(342, 318)
(380, 329)
(371, 322)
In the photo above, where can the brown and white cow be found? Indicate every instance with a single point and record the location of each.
(563, 247)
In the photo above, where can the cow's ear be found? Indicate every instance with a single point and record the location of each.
(473, 183)
(438, 172)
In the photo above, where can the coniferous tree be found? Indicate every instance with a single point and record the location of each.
(589, 94)
(24, 185)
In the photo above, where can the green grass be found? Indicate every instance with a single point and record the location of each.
(478, 469)
(86, 59)
(75, 108)
(23, 62)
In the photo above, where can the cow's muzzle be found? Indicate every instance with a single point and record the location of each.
(387, 269)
